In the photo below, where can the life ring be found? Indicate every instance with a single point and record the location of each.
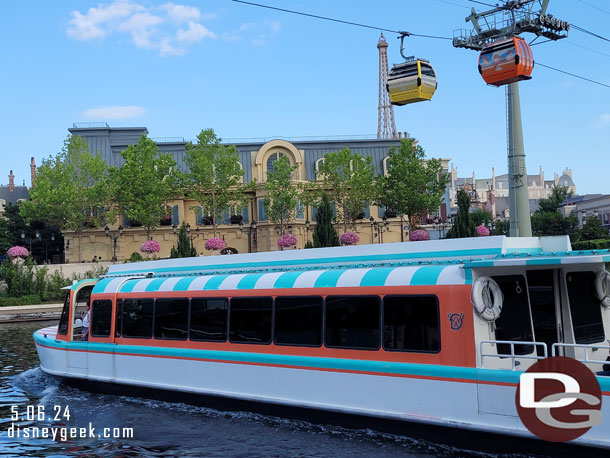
(602, 287)
(487, 298)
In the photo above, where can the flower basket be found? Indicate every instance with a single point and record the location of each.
(18, 252)
(418, 235)
(287, 240)
(214, 244)
(150, 246)
(482, 231)
(349, 238)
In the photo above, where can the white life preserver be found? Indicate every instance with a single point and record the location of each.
(487, 298)
(602, 287)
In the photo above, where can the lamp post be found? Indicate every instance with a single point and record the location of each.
(251, 231)
(373, 227)
(306, 231)
(46, 247)
(23, 237)
(114, 237)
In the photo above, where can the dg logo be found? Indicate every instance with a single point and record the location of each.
(559, 399)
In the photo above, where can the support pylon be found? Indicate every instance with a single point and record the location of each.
(386, 125)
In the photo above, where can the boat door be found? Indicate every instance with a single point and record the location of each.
(545, 303)
(80, 299)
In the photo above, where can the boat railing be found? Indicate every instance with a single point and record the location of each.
(513, 357)
(557, 347)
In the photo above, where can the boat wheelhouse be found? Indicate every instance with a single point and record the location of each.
(433, 332)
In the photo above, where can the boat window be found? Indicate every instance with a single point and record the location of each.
(514, 322)
(101, 318)
(411, 323)
(298, 320)
(171, 318)
(250, 320)
(64, 319)
(585, 308)
(118, 318)
(209, 319)
(138, 318)
(352, 322)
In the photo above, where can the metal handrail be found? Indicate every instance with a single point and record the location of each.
(586, 360)
(512, 355)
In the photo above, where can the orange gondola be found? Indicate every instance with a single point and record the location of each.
(506, 61)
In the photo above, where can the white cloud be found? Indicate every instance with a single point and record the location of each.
(602, 121)
(114, 112)
(169, 28)
(247, 25)
(259, 41)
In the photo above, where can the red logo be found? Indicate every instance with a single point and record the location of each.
(559, 399)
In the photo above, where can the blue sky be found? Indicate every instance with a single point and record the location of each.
(177, 68)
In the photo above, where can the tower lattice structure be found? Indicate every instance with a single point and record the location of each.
(386, 126)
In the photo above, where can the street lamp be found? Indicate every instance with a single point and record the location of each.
(114, 237)
(188, 231)
(251, 231)
(306, 231)
(37, 236)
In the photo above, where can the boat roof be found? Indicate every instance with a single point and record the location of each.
(467, 252)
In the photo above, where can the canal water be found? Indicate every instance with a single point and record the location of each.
(162, 429)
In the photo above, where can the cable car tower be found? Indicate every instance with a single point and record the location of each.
(504, 61)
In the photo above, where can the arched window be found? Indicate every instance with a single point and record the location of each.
(271, 160)
(317, 165)
(386, 165)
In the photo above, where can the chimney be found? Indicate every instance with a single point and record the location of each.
(32, 172)
(11, 181)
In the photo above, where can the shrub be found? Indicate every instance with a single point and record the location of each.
(598, 244)
(150, 246)
(418, 235)
(349, 238)
(135, 257)
(308, 244)
(214, 244)
(482, 231)
(9, 301)
(17, 250)
(287, 240)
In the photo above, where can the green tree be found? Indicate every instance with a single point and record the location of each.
(481, 216)
(593, 229)
(145, 184)
(462, 223)
(281, 197)
(214, 177)
(552, 223)
(184, 248)
(71, 189)
(551, 204)
(414, 186)
(349, 179)
(324, 234)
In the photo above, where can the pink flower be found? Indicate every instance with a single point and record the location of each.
(150, 246)
(482, 231)
(18, 251)
(349, 238)
(418, 235)
(287, 240)
(214, 244)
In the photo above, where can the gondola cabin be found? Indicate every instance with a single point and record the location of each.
(410, 82)
(506, 61)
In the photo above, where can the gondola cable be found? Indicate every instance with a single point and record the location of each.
(417, 35)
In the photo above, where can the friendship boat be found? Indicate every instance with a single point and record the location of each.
(434, 332)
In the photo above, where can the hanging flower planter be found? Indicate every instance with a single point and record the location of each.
(287, 240)
(418, 235)
(214, 244)
(150, 246)
(482, 231)
(349, 238)
(17, 253)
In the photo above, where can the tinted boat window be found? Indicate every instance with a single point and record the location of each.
(101, 318)
(137, 317)
(514, 322)
(250, 320)
(585, 308)
(171, 318)
(352, 322)
(411, 323)
(63, 320)
(209, 319)
(298, 320)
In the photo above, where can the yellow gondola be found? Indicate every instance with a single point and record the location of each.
(410, 82)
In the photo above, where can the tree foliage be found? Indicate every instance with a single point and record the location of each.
(349, 178)
(547, 220)
(71, 189)
(324, 234)
(214, 177)
(184, 248)
(592, 229)
(281, 197)
(481, 217)
(551, 204)
(414, 186)
(145, 184)
(462, 223)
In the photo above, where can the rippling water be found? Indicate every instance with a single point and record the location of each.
(164, 429)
